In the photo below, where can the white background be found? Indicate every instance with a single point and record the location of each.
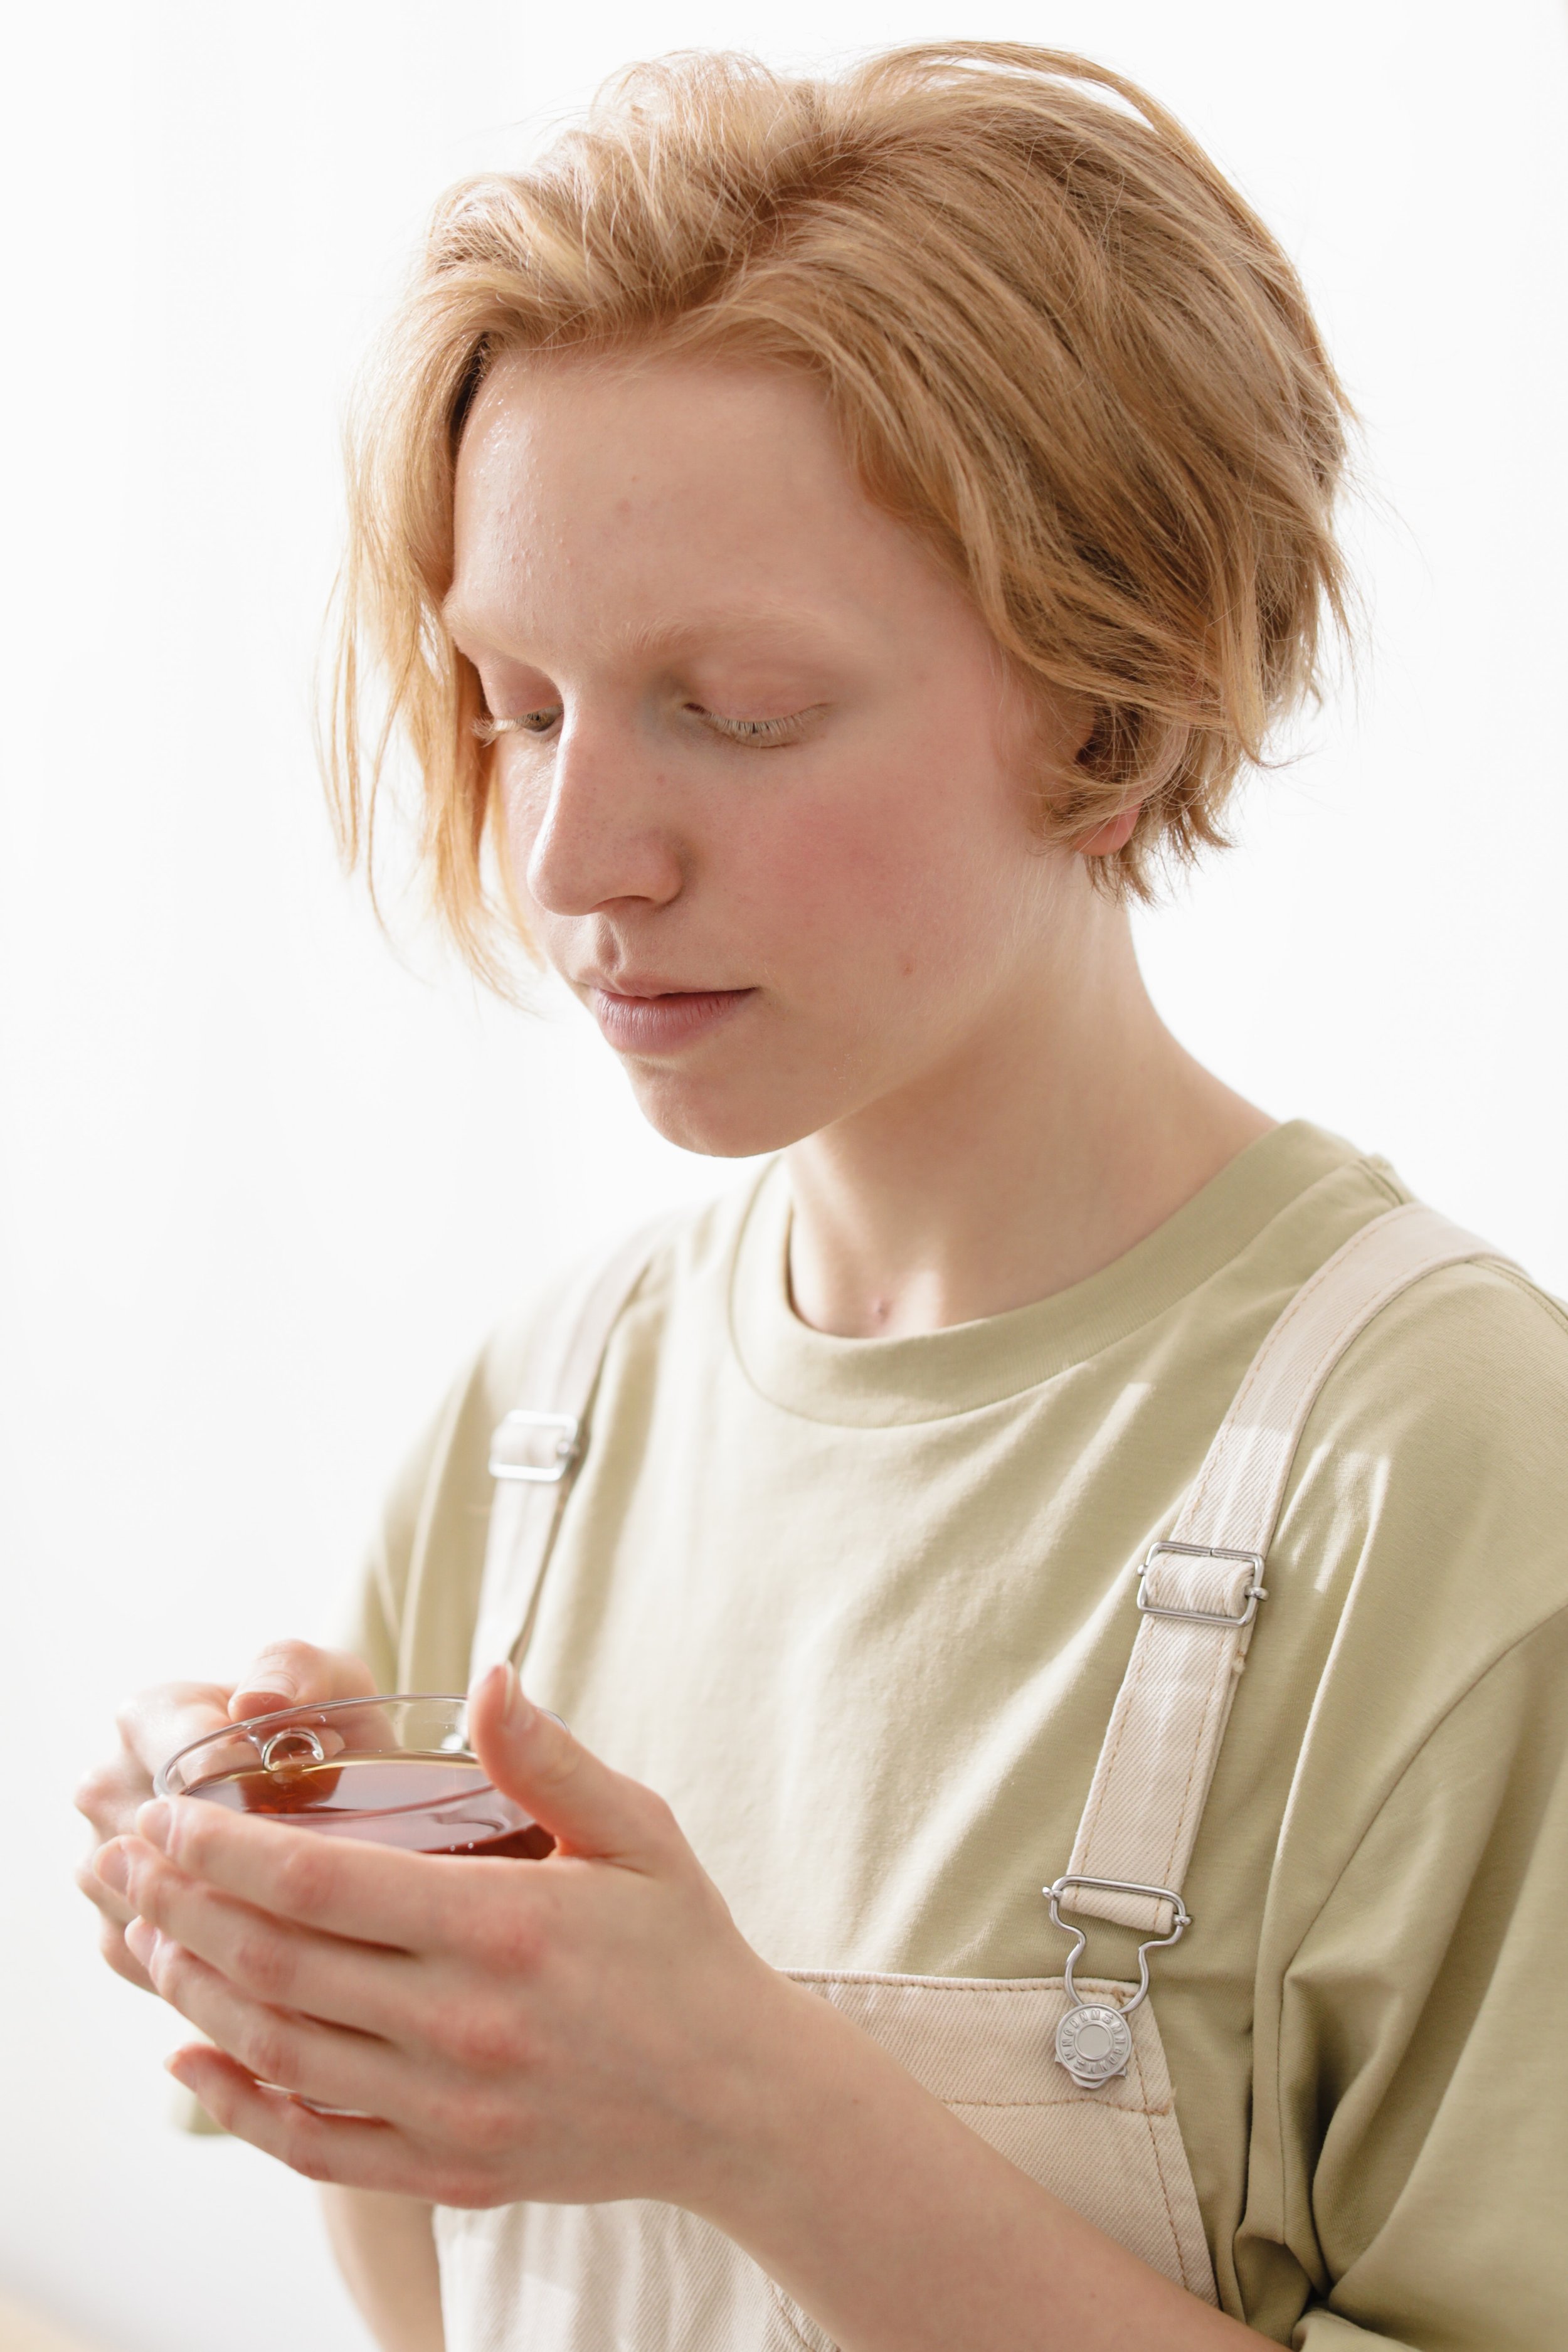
(264, 1183)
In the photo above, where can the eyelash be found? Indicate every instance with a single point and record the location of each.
(757, 734)
(489, 730)
(761, 734)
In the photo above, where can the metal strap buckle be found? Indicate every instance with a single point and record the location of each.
(1181, 1920)
(1094, 2040)
(1255, 1591)
(550, 1437)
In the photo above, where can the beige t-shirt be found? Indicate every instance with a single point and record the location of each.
(859, 1608)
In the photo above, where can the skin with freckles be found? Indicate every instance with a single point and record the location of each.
(727, 778)
(774, 807)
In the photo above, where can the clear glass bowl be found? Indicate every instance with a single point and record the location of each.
(394, 1771)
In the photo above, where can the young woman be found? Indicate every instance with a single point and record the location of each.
(827, 543)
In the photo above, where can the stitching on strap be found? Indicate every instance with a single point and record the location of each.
(1201, 1748)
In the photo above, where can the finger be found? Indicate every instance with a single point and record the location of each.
(372, 1894)
(296, 1674)
(152, 1726)
(113, 1946)
(355, 2153)
(156, 1724)
(109, 1794)
(326, 2063)
(363, 1985)
(116, 1914)
(107, 1892)
(589, 1809)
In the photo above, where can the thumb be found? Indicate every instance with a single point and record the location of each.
(531, 1757)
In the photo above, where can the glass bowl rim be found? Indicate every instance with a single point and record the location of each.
(279, 1718)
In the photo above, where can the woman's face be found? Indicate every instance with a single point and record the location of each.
(766, 798)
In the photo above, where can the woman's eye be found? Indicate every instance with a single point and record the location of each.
(526, 722)
(759, 734)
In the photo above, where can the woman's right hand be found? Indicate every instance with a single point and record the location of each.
(157, 1722)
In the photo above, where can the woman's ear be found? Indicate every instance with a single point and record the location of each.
(1113, 835)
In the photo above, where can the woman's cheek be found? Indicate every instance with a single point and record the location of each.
(831, 878)
(522, 801)
(847, 904)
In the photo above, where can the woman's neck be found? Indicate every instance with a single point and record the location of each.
(1052, 1139)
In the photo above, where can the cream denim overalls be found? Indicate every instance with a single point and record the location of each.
(1068, 2078)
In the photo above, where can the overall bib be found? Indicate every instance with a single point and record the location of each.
(1064, 2076)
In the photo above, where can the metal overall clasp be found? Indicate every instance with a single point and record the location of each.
(1094, 2040)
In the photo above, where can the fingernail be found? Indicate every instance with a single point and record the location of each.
(152, 1823)
(518, 1712)
(279, 1688)
(500, 1682)
(112, 1867)
(142, 1940)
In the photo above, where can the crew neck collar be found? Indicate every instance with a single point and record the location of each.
(937, 1375)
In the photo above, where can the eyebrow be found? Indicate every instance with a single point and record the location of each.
(694, 632)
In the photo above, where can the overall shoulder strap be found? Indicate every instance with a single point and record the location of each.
(1200, 1589)
(537, 1450)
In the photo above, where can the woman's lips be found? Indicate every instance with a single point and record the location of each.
(661, 1023)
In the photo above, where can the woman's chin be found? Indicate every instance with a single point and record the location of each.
(734, 1121)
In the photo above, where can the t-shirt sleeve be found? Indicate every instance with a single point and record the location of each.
(1423, 2046)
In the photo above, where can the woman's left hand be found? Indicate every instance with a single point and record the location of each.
(587, 2027)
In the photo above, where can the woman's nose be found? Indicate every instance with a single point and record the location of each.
(602, 832)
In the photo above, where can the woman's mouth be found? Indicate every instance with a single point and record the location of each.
(663, 1022)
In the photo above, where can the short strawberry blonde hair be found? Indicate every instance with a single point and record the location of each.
(1057, 345)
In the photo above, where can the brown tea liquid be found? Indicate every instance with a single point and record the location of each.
(424, 1804)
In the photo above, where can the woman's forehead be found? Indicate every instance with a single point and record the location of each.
(724, 407)
(685, 500)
